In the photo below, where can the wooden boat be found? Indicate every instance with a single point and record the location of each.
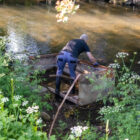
(93, 84)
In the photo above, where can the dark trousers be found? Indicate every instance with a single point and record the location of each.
(63, 58)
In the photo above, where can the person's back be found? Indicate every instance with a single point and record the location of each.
(76, 47)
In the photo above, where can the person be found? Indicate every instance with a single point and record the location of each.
(69, 54)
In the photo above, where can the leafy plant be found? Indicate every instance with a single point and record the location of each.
(59, 131)
(19, 99)
(18, 120)
(25, 80)
(125, 97)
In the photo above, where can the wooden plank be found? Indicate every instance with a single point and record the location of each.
(43, 56)
(62, 76)
(73, 99)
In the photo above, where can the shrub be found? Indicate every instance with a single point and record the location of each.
(122, 115)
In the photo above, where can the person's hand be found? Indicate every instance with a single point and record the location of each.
(95, 64)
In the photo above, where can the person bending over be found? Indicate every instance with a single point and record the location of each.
(69, 54)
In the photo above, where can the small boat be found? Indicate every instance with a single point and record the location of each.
(93, 84)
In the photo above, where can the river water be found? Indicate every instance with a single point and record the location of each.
(34, 30)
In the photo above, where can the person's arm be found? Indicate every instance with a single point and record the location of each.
(91, 57)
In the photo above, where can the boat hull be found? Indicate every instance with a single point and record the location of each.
(93, 84)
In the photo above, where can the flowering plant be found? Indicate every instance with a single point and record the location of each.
(17, 118)
(122, 113)
(64, 8)
(83, 133)
(76, 132)
(15, 121)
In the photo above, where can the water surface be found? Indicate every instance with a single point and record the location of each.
(34, 30)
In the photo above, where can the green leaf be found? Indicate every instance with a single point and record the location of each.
(21, 138)
(53, 137)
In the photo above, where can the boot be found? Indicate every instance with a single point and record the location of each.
(73, 89)
(58, 82)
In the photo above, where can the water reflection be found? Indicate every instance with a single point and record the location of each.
(20, 44)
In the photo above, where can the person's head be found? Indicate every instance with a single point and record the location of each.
(84, 37)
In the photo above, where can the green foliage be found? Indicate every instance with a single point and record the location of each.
(2, 44)
(122, 115)
(19, 121)
(121, 109)
(19, 117)
(59, 131)
(25, 81)
(90, 134)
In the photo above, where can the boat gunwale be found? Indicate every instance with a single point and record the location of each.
(79, 60)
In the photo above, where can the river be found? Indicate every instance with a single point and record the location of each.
(34, 30)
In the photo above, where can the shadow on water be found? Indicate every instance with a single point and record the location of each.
(21, 2)
(2, 32)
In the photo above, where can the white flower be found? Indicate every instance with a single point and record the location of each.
(77, 130)
(135, 77)
(65, 19)
(121, 54)
(39, 121)
(59, 20)
(77, 7)
(24, 103)
(17, 97)
(64, 8)
(4, 99)
(85, 128)
(32, 109)
(0, 92)
(29, 110)
(126, 139)
(35, 107)
(138, 62)
(114, 65)
(108, 109)
(35, 110)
